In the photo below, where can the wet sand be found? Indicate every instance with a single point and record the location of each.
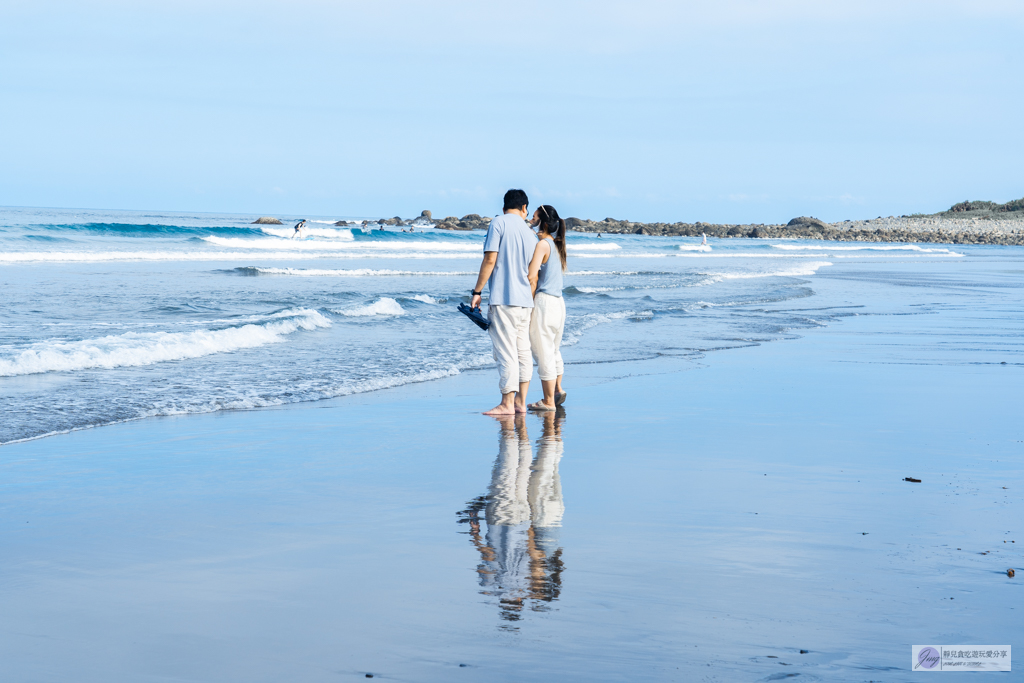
(721, 514)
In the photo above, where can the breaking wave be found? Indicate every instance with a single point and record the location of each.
(133, 349)
(382, 306)
(354, 272)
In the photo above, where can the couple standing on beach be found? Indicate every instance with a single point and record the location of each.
(523, 272)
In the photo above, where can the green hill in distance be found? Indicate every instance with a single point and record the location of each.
(979, 208)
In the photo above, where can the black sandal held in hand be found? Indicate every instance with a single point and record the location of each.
(476, 315)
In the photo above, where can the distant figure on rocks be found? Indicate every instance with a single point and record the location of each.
(298, 228)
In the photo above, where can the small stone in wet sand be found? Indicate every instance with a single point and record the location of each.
(916, 481)
(803, 652)
(1010, 573)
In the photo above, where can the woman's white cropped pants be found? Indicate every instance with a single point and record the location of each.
(546, 328)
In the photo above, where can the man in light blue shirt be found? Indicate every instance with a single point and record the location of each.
(508, 248)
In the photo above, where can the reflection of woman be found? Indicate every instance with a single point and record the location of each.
(521, 557)
(548, 319)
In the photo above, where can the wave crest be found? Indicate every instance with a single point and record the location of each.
(133, 349)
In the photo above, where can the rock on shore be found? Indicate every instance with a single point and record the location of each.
(470, 221)
(266, 220)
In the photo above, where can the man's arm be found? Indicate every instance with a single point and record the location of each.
(486, 268)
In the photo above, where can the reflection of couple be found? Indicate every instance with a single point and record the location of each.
(520, 553)
(523, 272)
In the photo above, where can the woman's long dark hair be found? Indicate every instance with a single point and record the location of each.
(554, 226)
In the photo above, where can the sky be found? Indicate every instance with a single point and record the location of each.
(725, 111)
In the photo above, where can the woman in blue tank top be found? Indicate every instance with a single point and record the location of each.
(548, 320)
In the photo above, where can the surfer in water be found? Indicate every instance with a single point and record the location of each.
(704, 240)
(298, 228)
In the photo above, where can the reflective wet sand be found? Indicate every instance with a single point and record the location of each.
(684, 519)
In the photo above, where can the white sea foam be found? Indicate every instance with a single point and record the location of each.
(573, 334)
(353, 272)
(335, 233)
(396, 246)
(251, 402)
(746, 254)
(145, 348)
(802, 270)
(695, 247)
(426, 298)
(602, 272)
(149, 256)
(597, 290)
(611, 246)
(382, 306)
(873, 247)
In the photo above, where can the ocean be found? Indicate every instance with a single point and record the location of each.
(110, 316)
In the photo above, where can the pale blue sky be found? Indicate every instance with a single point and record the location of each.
(718, 111)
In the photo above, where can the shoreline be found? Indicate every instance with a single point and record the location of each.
(979, 227)
(1001, 231)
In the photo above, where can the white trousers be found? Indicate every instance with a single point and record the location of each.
(546, 328)
(510, 336)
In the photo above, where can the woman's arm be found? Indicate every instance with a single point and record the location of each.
(540, 254)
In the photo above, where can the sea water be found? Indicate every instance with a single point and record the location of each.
(109, 316)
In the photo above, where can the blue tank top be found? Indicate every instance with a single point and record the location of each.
(549, 280)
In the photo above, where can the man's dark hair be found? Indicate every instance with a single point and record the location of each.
(515, 199)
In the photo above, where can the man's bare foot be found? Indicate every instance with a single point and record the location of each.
(521, 407)
(501, 409)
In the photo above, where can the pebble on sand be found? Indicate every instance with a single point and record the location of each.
(1010, 573)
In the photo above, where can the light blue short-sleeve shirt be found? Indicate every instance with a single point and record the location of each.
(511, 237)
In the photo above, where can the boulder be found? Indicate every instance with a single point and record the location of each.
(449, 223)
(343, 223)
(266, 220)
(425, 214)
(806, 221)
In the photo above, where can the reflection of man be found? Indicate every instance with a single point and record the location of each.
(521, 557)
(508, 248)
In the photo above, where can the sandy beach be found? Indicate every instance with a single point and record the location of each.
(741, 515)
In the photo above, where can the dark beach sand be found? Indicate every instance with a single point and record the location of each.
(721, 514)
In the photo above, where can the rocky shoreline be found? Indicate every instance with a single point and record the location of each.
(976, 222)
(935, 228)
